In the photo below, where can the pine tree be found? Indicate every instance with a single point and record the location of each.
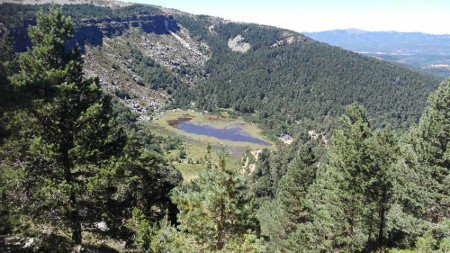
(422, 176)
(432, 146)
(262, 178)
(384, 153)
(215, 210)
(282, 216)
(348, 158)
(67, 157)
(294, 185)
(337, 200)
(7, 65)
(70, 127)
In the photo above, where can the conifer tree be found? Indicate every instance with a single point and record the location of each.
(432, 146)
(337, 199)
(348, 158)
(384, 153)
(294, 185)
(216, 214)
(422, 176)
(70, 129)
(67, 156)
(7, 64)
(281, 217)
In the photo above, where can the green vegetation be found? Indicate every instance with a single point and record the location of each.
(77, 172)
(298, 81)
(162, 123)
(370, 191)
(216, 214)
(66, 155)
(153, 75)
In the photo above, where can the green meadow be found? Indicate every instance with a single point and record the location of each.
(194, 145)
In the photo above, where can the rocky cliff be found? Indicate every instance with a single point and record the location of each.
(92, 31)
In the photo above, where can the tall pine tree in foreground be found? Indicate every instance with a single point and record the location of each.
(342, 181)
(67, 162)
(65, 137)
(281, 217)
(346, 202)
(73, 135)
(216, 215)
(431, 143)
(422, 192)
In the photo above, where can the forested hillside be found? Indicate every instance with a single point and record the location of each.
(281, 77)
(291, 77)
(80, 171)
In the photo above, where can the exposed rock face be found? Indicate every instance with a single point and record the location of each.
(102, 226)
(106, 43)
(237, 44)
(290, 38)
(174, 51)
(92, 31)
(111, 63)
(30, 243)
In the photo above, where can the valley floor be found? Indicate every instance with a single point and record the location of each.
(195, 146)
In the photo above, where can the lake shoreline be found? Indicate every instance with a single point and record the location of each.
(229, 133)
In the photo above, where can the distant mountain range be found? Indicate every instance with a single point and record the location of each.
(424, 51)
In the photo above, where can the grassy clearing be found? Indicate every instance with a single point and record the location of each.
(161, 124)
(195, 145)
(189, 171)
(194, 163)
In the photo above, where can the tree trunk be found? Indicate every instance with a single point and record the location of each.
(382, 219)
(75, 221)
(370, 226)
(74, 215)
(219, 233)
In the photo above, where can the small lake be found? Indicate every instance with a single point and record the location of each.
(231, 134)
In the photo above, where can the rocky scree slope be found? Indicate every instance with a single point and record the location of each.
(139, 55)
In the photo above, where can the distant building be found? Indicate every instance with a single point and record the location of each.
(286, 138)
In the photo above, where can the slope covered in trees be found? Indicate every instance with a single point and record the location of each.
(290, 77)
(77, 172)
(370, 191)
(284, 78)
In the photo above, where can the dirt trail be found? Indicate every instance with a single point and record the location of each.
(252, 166)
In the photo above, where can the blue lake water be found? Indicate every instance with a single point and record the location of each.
(231, 134)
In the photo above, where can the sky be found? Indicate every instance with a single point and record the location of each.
(428, 16)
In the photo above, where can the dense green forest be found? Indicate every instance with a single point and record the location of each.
(300, 81)
(276, 86)
(77, 173)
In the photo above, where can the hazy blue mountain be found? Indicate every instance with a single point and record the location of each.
(419, 50)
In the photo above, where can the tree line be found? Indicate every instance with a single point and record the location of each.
(70, 159)
(371, 190)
